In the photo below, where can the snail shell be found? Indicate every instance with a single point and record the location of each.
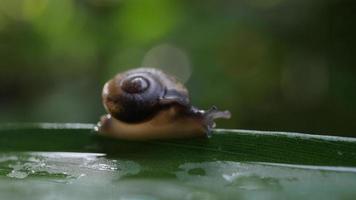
(146, 103)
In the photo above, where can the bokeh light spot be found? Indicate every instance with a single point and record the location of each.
(144, 21)
(170, 59)
(33, 9)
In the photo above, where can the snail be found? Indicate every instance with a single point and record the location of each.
(146, 103)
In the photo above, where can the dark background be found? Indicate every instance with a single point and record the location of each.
(286, 65)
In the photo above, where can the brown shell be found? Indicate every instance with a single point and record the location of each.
(141, 106)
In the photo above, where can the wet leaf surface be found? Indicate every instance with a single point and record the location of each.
(69, 161)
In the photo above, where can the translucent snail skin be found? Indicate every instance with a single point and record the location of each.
(146, 103)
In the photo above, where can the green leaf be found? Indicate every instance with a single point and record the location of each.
(70, 161)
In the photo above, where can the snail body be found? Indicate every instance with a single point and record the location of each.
(146, 103)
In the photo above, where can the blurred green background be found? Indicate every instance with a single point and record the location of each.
(286, 65)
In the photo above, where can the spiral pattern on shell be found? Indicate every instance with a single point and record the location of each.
(133, 96)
